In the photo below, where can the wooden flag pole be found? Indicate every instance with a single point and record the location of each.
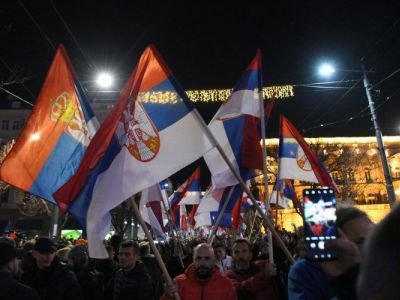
(139, 217)
(265, 171)
(173, 229)
(267, 220)
(219, 218)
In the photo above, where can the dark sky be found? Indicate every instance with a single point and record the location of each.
(208, 44)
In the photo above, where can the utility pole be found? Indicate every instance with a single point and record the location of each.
(378, 133)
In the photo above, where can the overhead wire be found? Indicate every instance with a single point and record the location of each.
(37, 25)
(86, 57)
(361, 60)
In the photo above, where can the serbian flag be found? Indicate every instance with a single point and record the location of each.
(282, 193)
(50, 147)
(235, 126)
(212, 202)
(192, 195)
(193, 182)
(152, 132)
(297, 160)
(150, 209)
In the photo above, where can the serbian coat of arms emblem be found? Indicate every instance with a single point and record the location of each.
(64, 109)
(137, 133)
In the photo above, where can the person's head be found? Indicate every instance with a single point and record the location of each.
(241, 254)
(78, 256)
(354, 223)
(219, 251)
(8, 258)
(44, 252)
(379, 274)
(63, 253)
(144, 248)
(128, 255)
(204, 260)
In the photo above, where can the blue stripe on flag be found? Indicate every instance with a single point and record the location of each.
(165, 114)
(248, 81)
(80, 206)
(87, 111)
(288, 147)
(46, 183)
(234, 131)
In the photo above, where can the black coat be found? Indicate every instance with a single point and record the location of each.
(55, 282)
(11, 289)
(134, 285)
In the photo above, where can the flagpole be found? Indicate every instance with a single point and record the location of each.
(139, 217)
(173, 228)
(175, 235)
(221, 213)
(265, 170)
(266, 219)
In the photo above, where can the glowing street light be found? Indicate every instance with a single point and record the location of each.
(326, 70)
(104, 80)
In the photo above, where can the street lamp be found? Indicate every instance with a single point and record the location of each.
(326, 69)
(105, 80)
(378, 133)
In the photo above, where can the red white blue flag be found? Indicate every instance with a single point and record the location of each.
(297, 160)
(235, 127)
(150, 134)
(50, 147)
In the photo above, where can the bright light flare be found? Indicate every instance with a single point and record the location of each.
(326, 70)
(35, 137)
(105, 80)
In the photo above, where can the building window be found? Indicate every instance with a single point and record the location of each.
(368, 176)
(15, 125)
(5, 124)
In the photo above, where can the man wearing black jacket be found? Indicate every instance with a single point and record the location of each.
(10, 288)
(48, 276)
(131, 281)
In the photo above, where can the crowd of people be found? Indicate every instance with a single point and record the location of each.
(366, 267)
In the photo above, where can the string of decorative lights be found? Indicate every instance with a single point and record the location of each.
(280, 92)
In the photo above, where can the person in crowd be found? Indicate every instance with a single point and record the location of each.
(62, 254)
(91, 280)
(252, 280)
(10, 288)
(379, 276)
(152, 267)
(201, 280)
(131, 280)
(48, 277)
(332, 279)
(223, 261)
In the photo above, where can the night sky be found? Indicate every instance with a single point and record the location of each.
(210, 43)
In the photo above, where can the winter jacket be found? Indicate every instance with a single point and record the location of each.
(135, 285)
(55, 282)
(217, 287)
(11, 289)
(252, 283)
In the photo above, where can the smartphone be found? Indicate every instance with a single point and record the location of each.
(319, 215)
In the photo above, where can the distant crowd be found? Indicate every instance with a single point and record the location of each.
(367, 267)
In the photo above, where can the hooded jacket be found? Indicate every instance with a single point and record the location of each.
(217, 287)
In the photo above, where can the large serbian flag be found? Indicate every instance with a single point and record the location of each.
(235, 126)
(297, 160)
(151, 133)
(50, 147)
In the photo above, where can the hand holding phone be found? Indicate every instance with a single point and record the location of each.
(319, 208)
